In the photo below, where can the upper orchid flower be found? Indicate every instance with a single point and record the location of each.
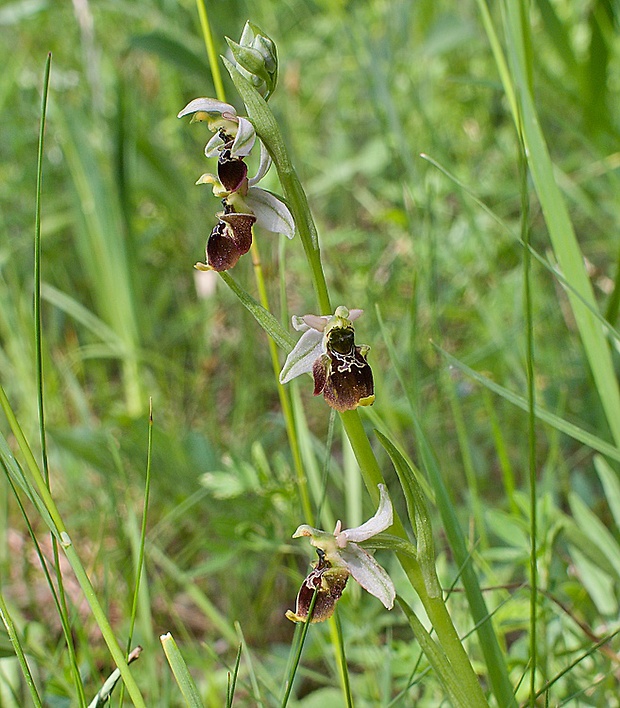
(327, 350)
(233, 140)
(341, 556)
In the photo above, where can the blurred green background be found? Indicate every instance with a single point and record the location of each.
(365, 88)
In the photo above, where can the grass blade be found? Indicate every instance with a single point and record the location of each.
(181, 672)
(564, 426)
(19, 651)
(555, 212)
(494, 657)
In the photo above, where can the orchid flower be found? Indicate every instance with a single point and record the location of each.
(327, 350)
(341, 556)
(233, 141)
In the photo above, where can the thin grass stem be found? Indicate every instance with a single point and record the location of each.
(335, 628)
(38, 337)
(248, 657)
(211, 53)
(140, 562)
(305, 626)
(60, 531)
(531, 397)
(19, 652)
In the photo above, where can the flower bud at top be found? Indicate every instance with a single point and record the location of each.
(257, 59)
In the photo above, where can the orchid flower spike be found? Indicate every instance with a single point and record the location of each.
(341, 556)
(327, 350)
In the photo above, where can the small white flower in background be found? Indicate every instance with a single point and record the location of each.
(341, 556)
(327, 350)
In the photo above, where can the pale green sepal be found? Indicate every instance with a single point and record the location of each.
(250, 62)
(214, 146)
(271, 213)
(300, 361)
(379, 522)
(369, 574)
(263, 166)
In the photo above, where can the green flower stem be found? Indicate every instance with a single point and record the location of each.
(287, 410)
(436, 658)
(60, 531)
(298, 204)
(268, 130)
(435, 606)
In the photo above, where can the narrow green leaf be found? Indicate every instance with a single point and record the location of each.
(611, 485)
(564, 426)
(493, 654)
(418, 515)
(181, 672)
(84, 316)
(436, 658)
(105, 692)
(561, 232)
(598, 584)
(596, 531)
(264, 318)
(172, 50)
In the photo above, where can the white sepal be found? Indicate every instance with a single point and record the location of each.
(271, 214)
(208, 105)
(244, 140)
(368, 573)
(301, 359)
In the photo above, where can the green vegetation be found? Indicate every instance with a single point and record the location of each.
(461, 165)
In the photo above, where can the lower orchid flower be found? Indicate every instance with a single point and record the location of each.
(340, 556)
(327, 350)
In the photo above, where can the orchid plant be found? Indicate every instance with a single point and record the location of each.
(327, 350)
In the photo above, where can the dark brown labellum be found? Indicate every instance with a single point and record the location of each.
(330, 583)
